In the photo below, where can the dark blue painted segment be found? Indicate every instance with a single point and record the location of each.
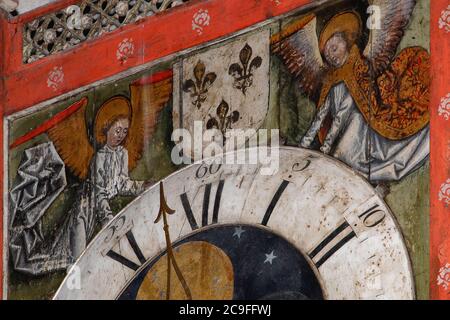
(257, 273)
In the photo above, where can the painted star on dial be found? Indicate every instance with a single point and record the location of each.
(238, 231)
(270, 257)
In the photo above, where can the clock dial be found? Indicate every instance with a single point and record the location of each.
(322, 212)
(231, 262)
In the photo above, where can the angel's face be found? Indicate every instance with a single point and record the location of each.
(336, 51)
(117, 133)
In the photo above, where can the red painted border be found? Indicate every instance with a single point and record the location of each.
(440, 151)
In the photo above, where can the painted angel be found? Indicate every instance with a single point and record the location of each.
(372, 105)
(120, 129)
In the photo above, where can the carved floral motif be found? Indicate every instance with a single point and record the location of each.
(89, 19)
(200, 20)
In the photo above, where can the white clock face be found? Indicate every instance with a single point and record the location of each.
(315, 218)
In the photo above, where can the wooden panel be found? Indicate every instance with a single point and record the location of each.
(22, 86)
(152, 38)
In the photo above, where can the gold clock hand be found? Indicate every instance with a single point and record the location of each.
(163, 211)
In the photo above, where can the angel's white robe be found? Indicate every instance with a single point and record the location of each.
(351, 140)
(108, 178)
(112, 178)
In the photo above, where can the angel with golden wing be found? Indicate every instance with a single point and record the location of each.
(372, 105)
(120, 129)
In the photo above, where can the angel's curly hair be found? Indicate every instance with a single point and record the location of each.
(112, 121)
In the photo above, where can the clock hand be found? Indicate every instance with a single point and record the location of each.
(163, 211)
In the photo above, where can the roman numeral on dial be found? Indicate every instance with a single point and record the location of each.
(274, 202)
(331, 244)
(205, 209)
(125, 261)
(367, 216)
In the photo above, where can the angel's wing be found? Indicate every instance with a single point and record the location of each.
(71, 140)
(298, 46)
(383, 42)
(148, 97)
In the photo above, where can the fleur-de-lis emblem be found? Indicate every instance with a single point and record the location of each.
(224, 118)
(243, 73)
(198, 89)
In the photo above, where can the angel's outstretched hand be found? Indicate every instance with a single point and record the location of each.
(313, 130)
